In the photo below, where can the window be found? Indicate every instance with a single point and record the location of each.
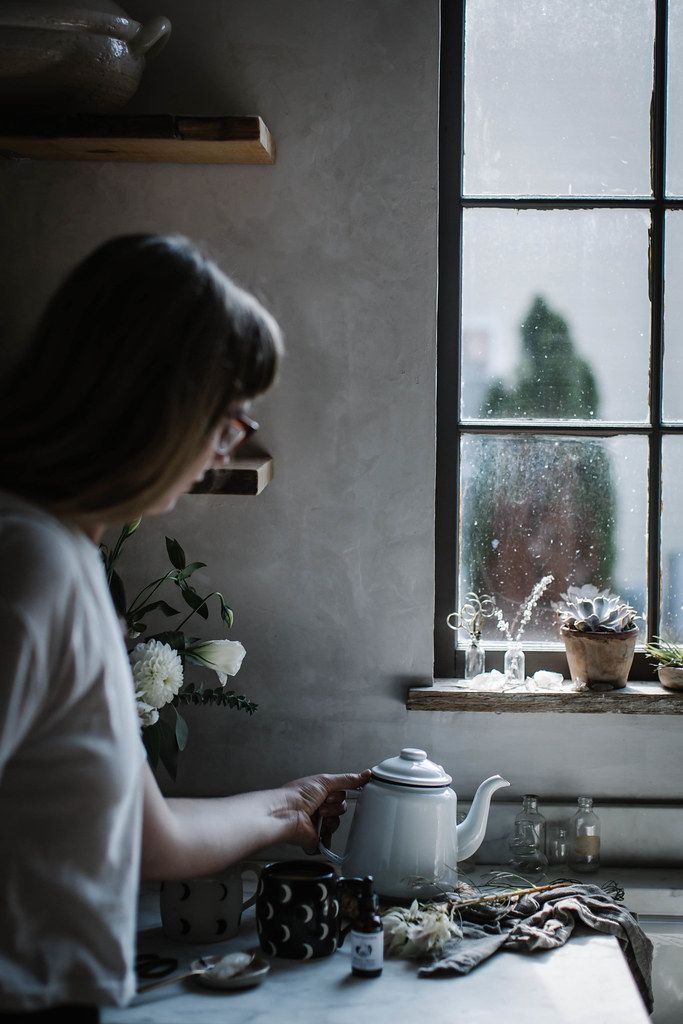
(560, 376)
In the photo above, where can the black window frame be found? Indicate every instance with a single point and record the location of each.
(452, 203)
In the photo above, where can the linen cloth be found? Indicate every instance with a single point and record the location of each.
(546, 920)
(70, 762)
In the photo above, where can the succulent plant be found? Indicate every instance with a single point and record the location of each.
(590, 610)
(665, 652)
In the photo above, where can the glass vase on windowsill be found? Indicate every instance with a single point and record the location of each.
(470, 617)
(514, 663)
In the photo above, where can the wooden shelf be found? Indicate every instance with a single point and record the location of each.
(637, 698)
(244, 476)
(150, 138)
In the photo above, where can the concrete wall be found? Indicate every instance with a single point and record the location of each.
(330, 570)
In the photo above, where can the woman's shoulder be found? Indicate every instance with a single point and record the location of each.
(41, 560)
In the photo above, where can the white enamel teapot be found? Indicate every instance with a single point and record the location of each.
(404, 831)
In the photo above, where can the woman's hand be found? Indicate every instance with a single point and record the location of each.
(316, 797)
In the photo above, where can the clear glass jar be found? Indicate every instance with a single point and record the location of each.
(558, 846)
(531, 814)
(513, 665)
(525, 854)
(584, 837)
(475, 659)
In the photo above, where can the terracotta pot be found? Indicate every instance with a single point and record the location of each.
(670, 677)
(83, 59)
(601, 661)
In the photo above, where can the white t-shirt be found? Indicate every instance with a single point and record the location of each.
(70, 762)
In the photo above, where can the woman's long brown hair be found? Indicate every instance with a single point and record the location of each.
(137, 356)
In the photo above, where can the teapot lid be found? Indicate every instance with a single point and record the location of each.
(411, 768)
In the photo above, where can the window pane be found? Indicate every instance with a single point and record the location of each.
(556, 315)
(672, 539)
(557, 97)
(672, 387)
(571, 506)
(674, 129)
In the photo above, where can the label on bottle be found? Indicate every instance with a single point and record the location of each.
(367, 950)
(587, 846)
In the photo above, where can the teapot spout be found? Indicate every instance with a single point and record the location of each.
(472, 830)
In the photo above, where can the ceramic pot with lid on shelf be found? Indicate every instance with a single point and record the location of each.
(404, 831)
(83, 57)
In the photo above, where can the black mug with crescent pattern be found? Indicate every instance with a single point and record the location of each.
(298, 912)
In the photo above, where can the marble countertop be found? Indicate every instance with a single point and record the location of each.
(585, 981)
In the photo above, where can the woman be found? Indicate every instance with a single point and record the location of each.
(136, 382)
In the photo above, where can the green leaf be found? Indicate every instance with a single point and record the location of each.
(136, 629)
(181, 730)
(151, 737)
(175, 553)
(189, 569)
(173, 638)
(192, 598)
(118, 592)
(161, 606)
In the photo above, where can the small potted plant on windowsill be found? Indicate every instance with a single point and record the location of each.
(668, 657)
(599, 632)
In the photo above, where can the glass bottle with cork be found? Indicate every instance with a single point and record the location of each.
(584, 845)
(367, 934)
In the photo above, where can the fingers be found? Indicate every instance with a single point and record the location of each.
(352, 780)
(330, 826)
(333, 807)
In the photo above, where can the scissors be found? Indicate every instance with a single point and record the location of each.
(151, 965)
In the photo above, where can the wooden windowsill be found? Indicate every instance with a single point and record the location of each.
(148, 138)
(637, 698)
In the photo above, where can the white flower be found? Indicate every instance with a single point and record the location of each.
(157, 671)
(223, 656)
(146, 713)
(417, 932)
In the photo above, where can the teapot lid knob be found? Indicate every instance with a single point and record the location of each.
(413, 754)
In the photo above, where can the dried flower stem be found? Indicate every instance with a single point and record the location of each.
(526, 609)
(496, 897)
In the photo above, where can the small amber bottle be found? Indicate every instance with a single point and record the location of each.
(367, 934)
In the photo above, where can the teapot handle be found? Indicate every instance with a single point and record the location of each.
(334, 857)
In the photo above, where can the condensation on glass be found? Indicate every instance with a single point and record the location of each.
(672, 387)
(556, 315)
(535, 504)
(674, 127)
(557, 97)
(671, 625)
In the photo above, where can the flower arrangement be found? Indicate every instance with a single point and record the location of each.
(159, 658)
(524, 614)
(470, 616)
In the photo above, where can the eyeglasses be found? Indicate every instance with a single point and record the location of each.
(238, 427)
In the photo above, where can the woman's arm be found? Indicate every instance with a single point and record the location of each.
(184, 838)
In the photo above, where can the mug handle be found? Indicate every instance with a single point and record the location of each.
(345, 881)
(250, 865)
